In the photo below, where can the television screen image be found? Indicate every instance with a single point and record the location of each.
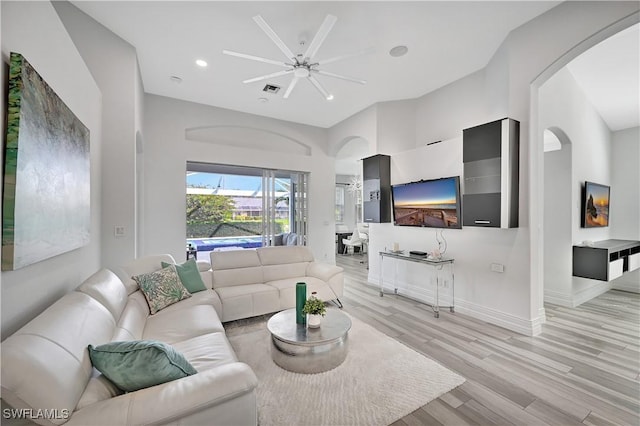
(596, 205)
(428, 203)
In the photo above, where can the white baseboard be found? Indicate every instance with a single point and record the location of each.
(558, 298)
(587, 294)
(524, 326)
(577, 298)
(630, 287)
(531, 327)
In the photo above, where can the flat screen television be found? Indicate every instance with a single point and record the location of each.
(431, 203)
(595, 202)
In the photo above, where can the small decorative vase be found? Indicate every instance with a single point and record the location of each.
(314, 321)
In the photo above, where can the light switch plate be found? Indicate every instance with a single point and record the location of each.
(497, 267)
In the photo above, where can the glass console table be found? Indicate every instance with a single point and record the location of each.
(441, 266)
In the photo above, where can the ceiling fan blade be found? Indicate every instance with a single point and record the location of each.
(342, 77)
(256, 58)
(322, 33)
(348, 55)
(264, 77)
(293, 83)
(318, 86)
(274, 37)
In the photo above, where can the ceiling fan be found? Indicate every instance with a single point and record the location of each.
(302, 65)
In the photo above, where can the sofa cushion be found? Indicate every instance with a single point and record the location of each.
(287, 290)
(161, 288)
(139, 266)
(98, 389)
(283, 271)
(235, 267)
(139, 364)
(207, 297)
(285, 254)
(189, 275)
(207, 351)
(50, 352)
(245, 301)
(182, 324)
(106, 288)
(133, 318)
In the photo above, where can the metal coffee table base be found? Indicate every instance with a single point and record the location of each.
(309, 359)
(297, 348)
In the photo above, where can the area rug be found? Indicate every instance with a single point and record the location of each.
(380, 381)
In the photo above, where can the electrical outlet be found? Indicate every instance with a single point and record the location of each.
(118, 231)
(497, 267)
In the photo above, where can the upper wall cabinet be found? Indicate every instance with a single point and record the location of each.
(490, 153)
(376, 188)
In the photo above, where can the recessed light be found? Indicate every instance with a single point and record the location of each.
(175, 79)
(201, 63)
(398, 51)
(263, 100)
(330, 97)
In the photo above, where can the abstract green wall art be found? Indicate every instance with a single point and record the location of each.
(46, 195)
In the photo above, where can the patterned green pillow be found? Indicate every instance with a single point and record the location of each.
(161, 288)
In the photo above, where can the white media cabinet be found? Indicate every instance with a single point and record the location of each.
(606, 260)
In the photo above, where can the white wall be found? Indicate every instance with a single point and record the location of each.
(113, 63)
(33, 29)
(512, 299)
(625, 186)
(350, 219)
(396, 126)
(361, 125)
(167, 151)
(563, 104)
(558, 215)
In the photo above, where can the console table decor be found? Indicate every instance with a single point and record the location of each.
(441, 266)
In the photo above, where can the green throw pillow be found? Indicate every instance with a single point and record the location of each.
(161, 288)
(139, 364)
(189, 275)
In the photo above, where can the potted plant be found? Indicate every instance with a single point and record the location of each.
(316, 309)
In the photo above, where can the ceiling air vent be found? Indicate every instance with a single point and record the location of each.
(270, 88)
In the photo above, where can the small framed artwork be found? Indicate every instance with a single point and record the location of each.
(595, 202)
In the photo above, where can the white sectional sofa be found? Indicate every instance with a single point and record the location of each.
(46, 365)
(255, 282)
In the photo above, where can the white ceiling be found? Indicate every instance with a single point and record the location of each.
(609, 75)
(446, 41)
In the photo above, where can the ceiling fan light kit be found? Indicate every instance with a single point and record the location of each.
(302, 65)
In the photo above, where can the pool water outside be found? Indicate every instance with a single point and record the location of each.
(210, 244)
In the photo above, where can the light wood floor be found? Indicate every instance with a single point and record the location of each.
(583, 369)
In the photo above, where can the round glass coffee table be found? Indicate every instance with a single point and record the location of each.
(297, 348)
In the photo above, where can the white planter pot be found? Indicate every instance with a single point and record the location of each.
(313, 321)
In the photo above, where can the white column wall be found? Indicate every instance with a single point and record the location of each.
(31, 29)
(625, 185)
(512, 299)
(114, 65)
(167, 151)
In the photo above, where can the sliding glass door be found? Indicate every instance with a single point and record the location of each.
(244, 207)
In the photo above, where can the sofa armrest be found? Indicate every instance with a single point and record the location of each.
(322, 271)
(331, 274)
(171, 401)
